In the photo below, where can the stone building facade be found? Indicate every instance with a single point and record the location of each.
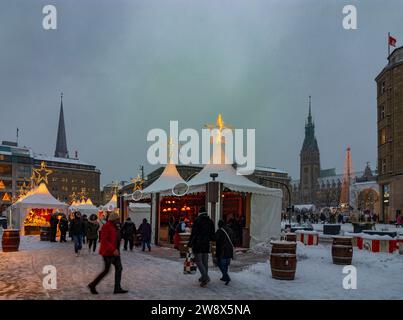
(390, 135)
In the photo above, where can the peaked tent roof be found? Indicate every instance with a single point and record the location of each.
(169, 178)
(112, 204)
(41, 198)
(229, 177)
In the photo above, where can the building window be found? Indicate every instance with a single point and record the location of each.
(383, 136)
(383, 87)
(381, 112)
(383, 166)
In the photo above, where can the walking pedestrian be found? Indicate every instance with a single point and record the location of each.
(63, 227)
(145, 231)
(128, 233)
(200, 237)
(53, 226)
(85, 226)
(92, 233)
(109, 250)
(76, 232)
(224, 249)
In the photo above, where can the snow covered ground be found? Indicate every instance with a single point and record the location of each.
(151, 276)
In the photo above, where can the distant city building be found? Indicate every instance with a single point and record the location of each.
(390, 135)
(70, 175)
(322, 187)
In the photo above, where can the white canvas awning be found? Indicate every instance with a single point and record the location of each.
(231, 180)
(169, 178)
(38, 198)
(112, 204)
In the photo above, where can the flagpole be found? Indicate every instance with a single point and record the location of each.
(388, 44)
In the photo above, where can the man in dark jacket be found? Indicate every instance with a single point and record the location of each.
(63, 226)
(145, 232)
(109, 250)
(76, 232)
(224, 249)
(128, 233)
(199, 241)
(53, 227)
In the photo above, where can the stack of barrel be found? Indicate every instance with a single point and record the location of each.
(283, 260)
(342, 250)
(183, 244)
(11, 240)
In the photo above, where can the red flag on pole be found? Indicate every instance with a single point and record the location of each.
(392, 41)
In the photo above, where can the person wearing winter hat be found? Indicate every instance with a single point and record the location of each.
(109, 250)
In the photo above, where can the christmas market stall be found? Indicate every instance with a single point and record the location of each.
(156, 195)
(84, 207)
(138, 211)
(251, 210)
(33, 211)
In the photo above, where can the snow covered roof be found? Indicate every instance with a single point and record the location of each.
(40, 197)
(270, 169)
(61, 160)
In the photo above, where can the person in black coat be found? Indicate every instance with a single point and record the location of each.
(77, 231)
(63, 226)
(53, 227)
(200, 237)
(128, 232)
(145, 232)
(224, 249)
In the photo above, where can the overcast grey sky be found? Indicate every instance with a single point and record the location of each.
(126, 67)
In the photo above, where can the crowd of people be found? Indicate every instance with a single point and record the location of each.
(110, 233)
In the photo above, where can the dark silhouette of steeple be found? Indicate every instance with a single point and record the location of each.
(310, 139)
(309, 162)
(61, 143)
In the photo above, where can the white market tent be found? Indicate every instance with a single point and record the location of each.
(138, 211)
(111, 205)
(169, 178)
(85, 207)
(266, 203)
(38, 198)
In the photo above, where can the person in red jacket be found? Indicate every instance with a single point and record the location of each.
(109, 250)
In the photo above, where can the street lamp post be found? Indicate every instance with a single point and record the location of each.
(288, 191)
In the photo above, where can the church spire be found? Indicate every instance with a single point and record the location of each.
(309, 115)
(61, 143)
(310, 140)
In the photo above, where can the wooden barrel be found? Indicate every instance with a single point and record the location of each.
(11, 240)
(283, 247)
(45, 234)
(283, 260)
(183, 244)
(342, 250)
(291, 237)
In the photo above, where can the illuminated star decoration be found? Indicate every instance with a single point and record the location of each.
(138, 183)
(42, 173)
(220, 125)
(82, 195)
(22, 191)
